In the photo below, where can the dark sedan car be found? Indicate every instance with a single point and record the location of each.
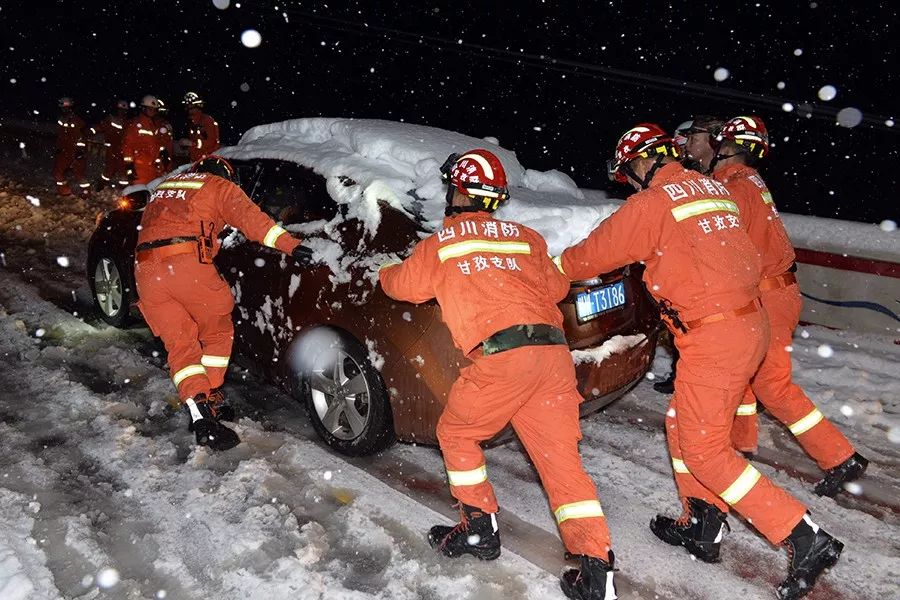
(368, 369)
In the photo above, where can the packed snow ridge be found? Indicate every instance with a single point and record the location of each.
(365, 161)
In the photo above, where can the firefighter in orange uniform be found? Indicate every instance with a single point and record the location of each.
(498, 290)
(71, 136)
(182, 296)
(141, 144)
(703, 270)
(112, 128)
(165, 138)
(204, 131)
(729, 155)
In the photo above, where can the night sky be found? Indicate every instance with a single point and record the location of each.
(557, 82)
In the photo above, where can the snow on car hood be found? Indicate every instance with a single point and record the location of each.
(365, 161)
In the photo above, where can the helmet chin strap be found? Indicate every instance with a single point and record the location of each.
(645, 181)
(719, 156)
(455, 210)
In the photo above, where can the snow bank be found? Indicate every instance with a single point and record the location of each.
(23, 566)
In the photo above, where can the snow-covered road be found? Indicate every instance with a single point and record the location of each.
(97, 472)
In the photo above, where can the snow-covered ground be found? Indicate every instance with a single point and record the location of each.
(102, 494)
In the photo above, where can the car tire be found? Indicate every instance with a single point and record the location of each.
(109, 289)
(344, 394)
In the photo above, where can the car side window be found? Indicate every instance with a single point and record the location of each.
(290, 193)
(249, 178)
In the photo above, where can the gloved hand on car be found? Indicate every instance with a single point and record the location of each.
(303, 255)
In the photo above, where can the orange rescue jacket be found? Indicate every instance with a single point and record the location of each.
(69, 132)
(112, 128)
(759, 217)
(486, 274)
(204, 135)
(181, 203)
(686, 229)
(140, 142)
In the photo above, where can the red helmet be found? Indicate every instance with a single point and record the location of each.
(477, 173)
(748, 132)
(644, 140)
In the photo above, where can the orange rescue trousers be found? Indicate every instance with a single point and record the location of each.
(783, 398)
(188, 305)
(68, 160)
(716, 360)
(534, 388)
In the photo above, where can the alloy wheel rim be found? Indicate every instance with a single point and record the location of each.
(341, 394)
(108, 287)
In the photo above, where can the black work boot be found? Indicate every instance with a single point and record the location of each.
(206, 427)
(476, 534)
(593, 581)
(811, 551)
(849, 470)
(700, 529)
(219, 405)
(667, 385)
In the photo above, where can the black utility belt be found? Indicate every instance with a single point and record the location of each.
(164, 242)
(523, 335)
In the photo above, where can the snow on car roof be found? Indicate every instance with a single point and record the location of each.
(399, 163)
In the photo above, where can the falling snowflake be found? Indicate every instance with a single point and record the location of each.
(825, 351)
(827, 92)
(34, 200)
(849, 117)
(251, 38)
(107, 578)
(787, 107)
(221, 4)
(63, 261)
(721, 74)
(888, 225)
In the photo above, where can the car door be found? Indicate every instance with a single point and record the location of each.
(255, 274)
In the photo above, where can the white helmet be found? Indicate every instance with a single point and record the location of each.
(150, 102)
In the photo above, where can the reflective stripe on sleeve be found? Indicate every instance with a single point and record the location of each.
(463, 248)
(741, 486)
(274, 233)
(557, 260)
(208, 360)
(578, 510)
(699, 207)
(767, 197)
(188, 371)
(807, 422)
(678, 466)
(473, 477)
(746, 410)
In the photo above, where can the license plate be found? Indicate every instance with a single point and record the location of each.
(590, 304)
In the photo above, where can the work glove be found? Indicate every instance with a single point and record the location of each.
(303, 255)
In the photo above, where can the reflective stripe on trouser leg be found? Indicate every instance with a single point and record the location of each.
(208, 360)
(745, 430)
(188, 371)
(741, 486)
(801, 426)
(464, 478)
(578, 510)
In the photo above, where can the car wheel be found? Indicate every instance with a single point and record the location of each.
(108, 288)
(345, 396)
